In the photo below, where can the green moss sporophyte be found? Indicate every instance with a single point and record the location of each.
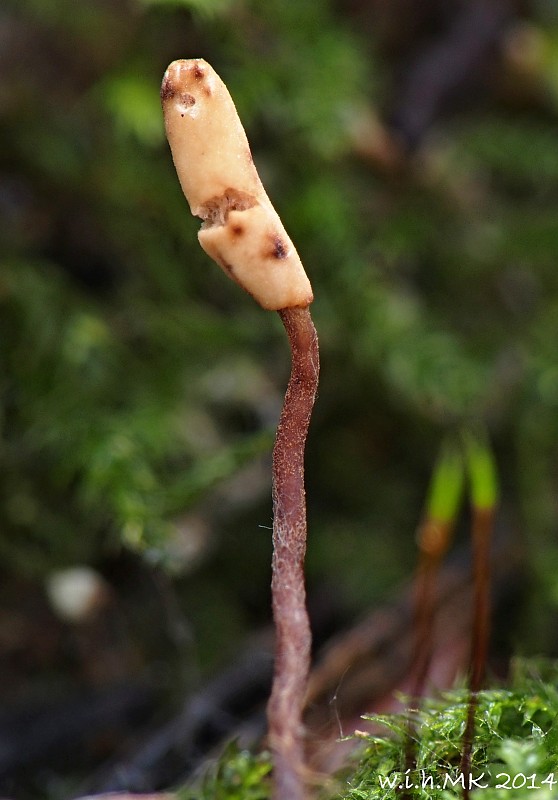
(243, 233)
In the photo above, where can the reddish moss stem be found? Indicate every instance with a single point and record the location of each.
(433, 540)
(434, 537)
(292, 627)
(483, 523)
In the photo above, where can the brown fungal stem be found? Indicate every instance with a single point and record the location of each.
(243, 233)
(292, 627)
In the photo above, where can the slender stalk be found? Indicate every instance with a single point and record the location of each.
(484, 500)
(482, 536)
(293, 635)
(434, 538)
(483, 523)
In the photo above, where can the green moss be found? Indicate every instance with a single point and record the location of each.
(515, 747)
(515, 735)
(236, 775)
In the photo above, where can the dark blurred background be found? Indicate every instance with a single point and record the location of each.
(411, 148)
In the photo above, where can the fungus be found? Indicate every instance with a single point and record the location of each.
(242, 232)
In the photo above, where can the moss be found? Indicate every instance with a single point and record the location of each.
(237, 775)
(515, 735)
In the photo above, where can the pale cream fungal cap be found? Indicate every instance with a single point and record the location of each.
(242, 231)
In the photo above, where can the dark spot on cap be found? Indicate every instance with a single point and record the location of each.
(167, 89)
(237, 230)
(187, 99)
(279, 248)
(199, 72)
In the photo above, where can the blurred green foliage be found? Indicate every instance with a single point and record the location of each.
(138, 385)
